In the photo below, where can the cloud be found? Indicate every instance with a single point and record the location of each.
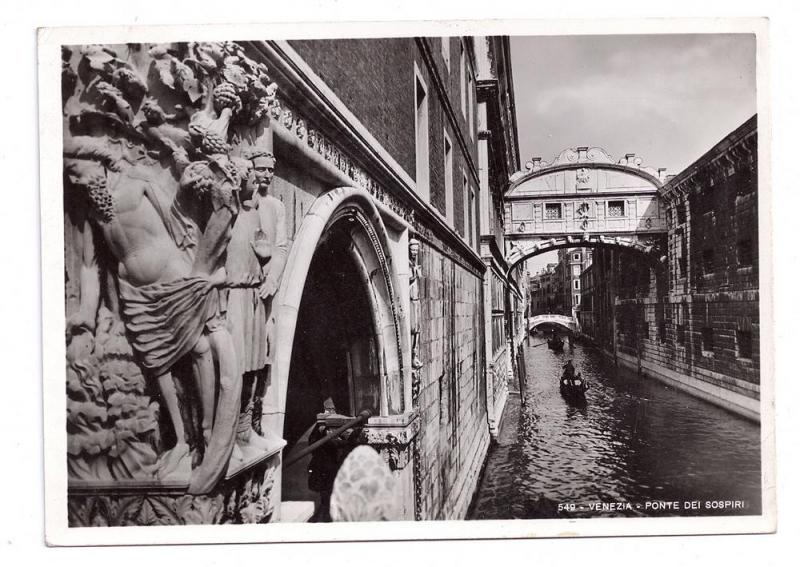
(665, 97)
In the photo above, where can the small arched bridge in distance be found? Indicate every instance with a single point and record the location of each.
(562, 321)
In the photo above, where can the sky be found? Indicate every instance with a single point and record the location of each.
(667, 98)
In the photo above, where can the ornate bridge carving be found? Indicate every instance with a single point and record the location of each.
(583, 198)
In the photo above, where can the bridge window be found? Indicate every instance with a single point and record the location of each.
(616, 208)
(552, 211)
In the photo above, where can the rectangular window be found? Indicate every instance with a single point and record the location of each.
(707, 334)
(681, 213)
(576, 257)
(708, 261)
(464, 203)
(469, 221)
(552, 211)
(662, 331)
(577, 299)
(446, 51)
(473, 215)
(576, 284)
(463, 84)
(744, 344)
(421, 129)
(470, 113)
(680, 324)
(616, 208)
(744, 252)
(448, 180)
(680, 252)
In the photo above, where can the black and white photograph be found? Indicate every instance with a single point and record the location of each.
(471, 283)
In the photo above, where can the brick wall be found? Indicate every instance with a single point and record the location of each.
(374, 78)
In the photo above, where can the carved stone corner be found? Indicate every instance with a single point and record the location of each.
(392, 437)
(244, 496)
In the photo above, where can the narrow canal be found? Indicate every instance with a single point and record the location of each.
(635, 441)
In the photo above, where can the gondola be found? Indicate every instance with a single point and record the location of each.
(573, 388)
(555, 343)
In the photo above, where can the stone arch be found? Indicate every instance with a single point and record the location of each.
(370, 249)
(524, 251)
(562, 321)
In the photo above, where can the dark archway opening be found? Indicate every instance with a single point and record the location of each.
(334, 355)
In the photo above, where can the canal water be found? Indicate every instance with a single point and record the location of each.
(635, 448)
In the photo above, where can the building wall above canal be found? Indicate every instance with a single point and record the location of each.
(694, 320)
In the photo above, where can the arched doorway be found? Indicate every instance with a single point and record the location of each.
(341, 330)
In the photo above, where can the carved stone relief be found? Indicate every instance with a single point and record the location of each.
(161, 154)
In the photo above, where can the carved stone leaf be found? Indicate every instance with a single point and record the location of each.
(188, 80)
(98, 58)
(234, 74)
(164, 68)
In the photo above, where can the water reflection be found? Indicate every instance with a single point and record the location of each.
(633, 441)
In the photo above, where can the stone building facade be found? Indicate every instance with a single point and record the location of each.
(692, 318)
(384, 154)
(545, 297)
(571, 262)
(498, 158)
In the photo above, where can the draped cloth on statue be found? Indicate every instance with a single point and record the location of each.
(247, 312)
(165, 320)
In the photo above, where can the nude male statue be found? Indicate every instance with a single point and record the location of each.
(168, 292)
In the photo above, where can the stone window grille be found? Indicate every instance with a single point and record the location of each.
(616, 209)
(552, 211)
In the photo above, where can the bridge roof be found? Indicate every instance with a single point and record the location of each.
(586, 158)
